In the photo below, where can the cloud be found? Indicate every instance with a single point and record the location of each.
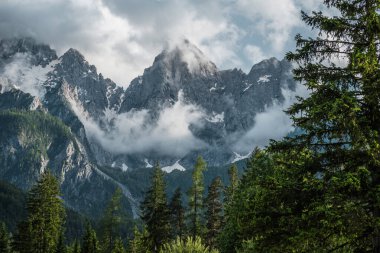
(255, 53)
(122, 37)
(21, 74)
(136, 132)
(273, 123)
(273, 19)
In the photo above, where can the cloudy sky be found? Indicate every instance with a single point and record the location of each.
(122, 37)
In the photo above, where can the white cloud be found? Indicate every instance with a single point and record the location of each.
(273, 123)
(21, 74)
(255, 53)
(122, 37)
(273, 19)
(135, 131)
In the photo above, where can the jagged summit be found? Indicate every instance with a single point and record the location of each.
(185, 56)
(40, 54)
(72, 89)
(181, 102)
(73, 53)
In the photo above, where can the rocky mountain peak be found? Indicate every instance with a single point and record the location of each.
(185, 57)
(41, 54)
(73, 54)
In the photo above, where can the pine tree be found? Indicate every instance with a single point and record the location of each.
(61, 247)
(177, 215)
(111, 221)
(40, 233)
(90, 243)
(22, 240)
(75, 247)
(140, 242)
(214, 212)
(196, 198)
(259, 211)
(155, 211)
(334, 162)
(5, 246)
(118, 247)
(234, 182)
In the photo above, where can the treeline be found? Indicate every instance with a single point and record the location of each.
(167, 225)
(43, 230)
(315, 191)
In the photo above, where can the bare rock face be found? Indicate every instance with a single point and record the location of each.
(34, 78)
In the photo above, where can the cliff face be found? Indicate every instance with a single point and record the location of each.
(74, 120)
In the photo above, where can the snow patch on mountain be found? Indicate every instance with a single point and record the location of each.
(239, 157)
(248, 86)
(264, 79)
(175, 166)
(124, 167)
(147, 164)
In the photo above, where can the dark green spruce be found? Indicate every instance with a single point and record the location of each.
(5, 243)
(318, 190)
(90, 243)
(196, 199)
(43, 227)
(111, 221)
(177, 212)
(214, 212)
(155, 212)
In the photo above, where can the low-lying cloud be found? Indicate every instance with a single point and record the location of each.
(21, 74)
(273, 123)
(136, 131)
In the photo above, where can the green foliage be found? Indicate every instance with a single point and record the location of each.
(317, 191)
(234, 182)
(118, 247)
(138, 180)
(41, 231)
(196, 198)
(5, 246)
(155, 211)
(61, 247)
(140, 242)
(90, 242)
(189, 245)
(335, 162)
(36, 128)
(177, 213)
(22, 240)
(214, 212)
(247, 247)
(74, 247)
(12, 205)
(111, 221)
(248, 212)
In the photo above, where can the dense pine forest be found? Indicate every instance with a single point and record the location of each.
(314, 191)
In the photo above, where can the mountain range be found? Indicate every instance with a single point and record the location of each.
(59, 113)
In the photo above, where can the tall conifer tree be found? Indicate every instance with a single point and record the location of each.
(155, 211)
(177, 212)
(5, 244)
(234, 182)
(214, 211)
(196, 198)
(335, 159)
(43, 227)
(90, 242)
(111, 221)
